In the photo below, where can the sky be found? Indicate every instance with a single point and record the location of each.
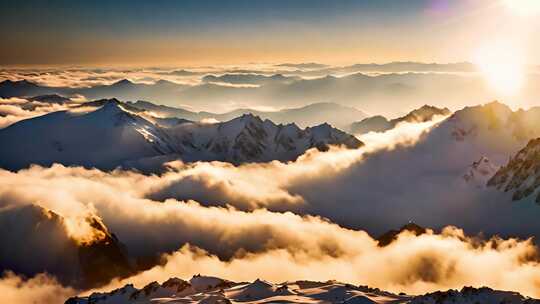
(165, 32)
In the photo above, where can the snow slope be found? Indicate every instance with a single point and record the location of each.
(104, 138)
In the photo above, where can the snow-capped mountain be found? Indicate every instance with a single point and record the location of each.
(104, 138)
(380, 123)
(249, 138)
(212, 290)
(521, 175)
(491, 130)
(430, 174)
(113, 136)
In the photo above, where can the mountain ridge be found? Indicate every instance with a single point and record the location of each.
(305, 116)
(112, 136)
(206, 289)
(380, 123)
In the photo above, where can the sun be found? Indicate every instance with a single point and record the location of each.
(523, 7)
(502, 66)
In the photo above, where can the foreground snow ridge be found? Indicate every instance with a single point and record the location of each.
(212, 290)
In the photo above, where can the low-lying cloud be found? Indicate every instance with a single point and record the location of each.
(411, 264)
(39, 289)
(13, 110)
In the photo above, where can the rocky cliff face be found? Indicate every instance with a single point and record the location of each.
(104, 258)
(49, 247)
(521, 176)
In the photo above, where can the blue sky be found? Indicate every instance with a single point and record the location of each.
(56, 32)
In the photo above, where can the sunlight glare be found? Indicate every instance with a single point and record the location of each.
(501, 64)
(523, 7)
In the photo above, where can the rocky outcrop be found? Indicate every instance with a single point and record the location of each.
(521, 175)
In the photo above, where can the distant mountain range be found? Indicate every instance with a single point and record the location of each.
(388, 93)
(123, 89)
(310, 115)
(112, 136)
(307, 65)
(250, 78)
(214, 290)
(411, 66)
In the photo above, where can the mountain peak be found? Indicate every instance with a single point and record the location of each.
(122, 82)
(164, 82)
(422, 114)
(250, 117)
(113, 105)
(326, 127)
(392, 235)
(107, 101)
(496, 106)
(427, 107)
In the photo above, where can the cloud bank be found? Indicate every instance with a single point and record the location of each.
(16, 109)
(411, 264)
(378, 89)
(39, 289)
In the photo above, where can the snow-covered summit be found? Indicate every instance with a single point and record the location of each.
(491, 130)
(103, 138)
